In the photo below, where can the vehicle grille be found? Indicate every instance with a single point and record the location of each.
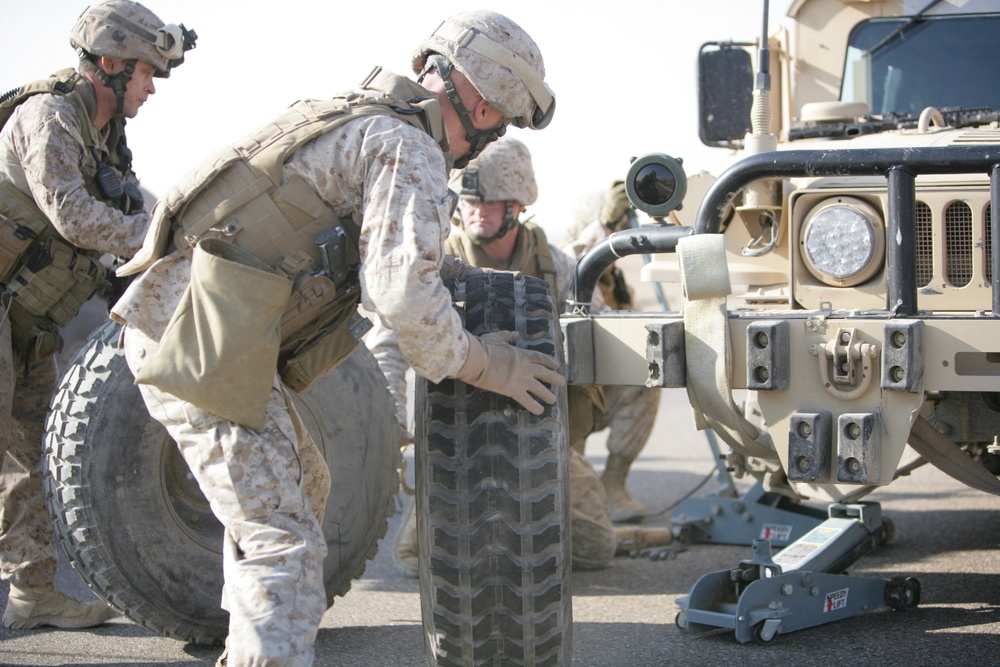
(958, 244)
(954, 241)
(988, 240)
(925, 244)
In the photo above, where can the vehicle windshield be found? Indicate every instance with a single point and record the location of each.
(943, 62)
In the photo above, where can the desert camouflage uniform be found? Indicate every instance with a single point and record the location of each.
(392, 179)
(629, 412)
(593, 535)
(41, 153)
(269, 489)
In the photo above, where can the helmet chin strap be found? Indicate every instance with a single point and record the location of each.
(509, 223)
(116, 82)
(477, 139)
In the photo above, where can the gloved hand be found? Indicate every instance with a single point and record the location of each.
(614, 206)
(131, 199)
(496, 365)
(454, 268)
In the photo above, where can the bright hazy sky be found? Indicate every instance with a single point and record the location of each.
(623, 74)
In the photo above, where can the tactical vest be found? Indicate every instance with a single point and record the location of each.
(543, 256)
(239, 195)
(46, 279)
(542, 264)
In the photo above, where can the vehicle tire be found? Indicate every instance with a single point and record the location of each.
(492, 499)
(137, 528)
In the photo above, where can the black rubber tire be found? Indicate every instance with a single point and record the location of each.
(758, 635)
(133, 522)
(493, 499)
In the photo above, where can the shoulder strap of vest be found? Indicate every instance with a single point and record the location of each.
(543, 254)
(66, 82)
(382, 92)
(269, 148)
(410, 100)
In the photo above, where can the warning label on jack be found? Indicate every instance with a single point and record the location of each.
(835, 600)
(776, 532)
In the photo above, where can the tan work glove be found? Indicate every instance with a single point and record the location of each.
(614, 206)
(496, 365)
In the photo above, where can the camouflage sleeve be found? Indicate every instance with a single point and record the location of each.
(46, 135)
(385, 348)
(392, 178)
(590, 235)
(565, 264)
(564, 274)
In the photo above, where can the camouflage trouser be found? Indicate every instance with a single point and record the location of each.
(628, 411)
(27, 548)
(268, 488)
(593, 535)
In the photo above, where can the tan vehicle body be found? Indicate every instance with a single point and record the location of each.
(952, 340)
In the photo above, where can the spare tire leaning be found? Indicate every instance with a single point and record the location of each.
(134, 523)
(493, 499)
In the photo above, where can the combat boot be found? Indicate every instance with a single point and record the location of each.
(405, 550)
(28, 609)
(623, 508)
(631, 541)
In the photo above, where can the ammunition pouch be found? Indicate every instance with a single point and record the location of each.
(220, 348)
(21, 223)
(55, 280)
(33, 337)
(323, 329)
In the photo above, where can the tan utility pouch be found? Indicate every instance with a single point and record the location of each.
(55, 280)
(320, 356)
(322, 329)
(220, 348)
(20, 224)
(34, 337)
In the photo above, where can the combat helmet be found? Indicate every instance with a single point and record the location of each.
(126, 30)
(503, 172)
(500, 60)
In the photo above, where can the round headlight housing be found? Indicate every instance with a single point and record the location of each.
(843, 241)
(656, 184)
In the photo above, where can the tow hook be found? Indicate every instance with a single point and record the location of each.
(851, 361)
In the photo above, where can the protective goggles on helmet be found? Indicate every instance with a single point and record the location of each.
(173, 40)
(544, 98)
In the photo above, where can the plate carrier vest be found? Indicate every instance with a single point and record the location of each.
(239, 195)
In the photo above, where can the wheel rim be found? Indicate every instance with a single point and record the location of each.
(185, 501)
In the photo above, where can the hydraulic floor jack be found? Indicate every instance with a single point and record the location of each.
(803, 585)
(725, 517)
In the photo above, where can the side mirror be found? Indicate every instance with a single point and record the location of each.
(725, 94)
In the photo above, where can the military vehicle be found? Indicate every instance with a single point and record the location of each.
(843, 273)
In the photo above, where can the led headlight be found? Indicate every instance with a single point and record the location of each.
(843, 241)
